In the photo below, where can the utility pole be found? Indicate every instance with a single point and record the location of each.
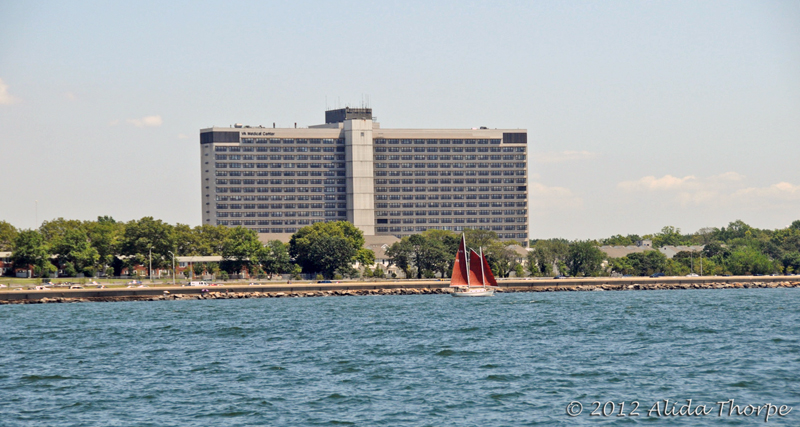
(173, 267)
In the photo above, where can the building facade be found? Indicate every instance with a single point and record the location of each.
(385, 181)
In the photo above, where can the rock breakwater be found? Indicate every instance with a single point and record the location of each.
(227, 294)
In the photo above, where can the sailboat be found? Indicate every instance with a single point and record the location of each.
(472, 274)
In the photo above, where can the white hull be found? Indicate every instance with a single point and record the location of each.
(474, 292)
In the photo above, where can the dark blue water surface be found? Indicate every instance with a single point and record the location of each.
(514, 359)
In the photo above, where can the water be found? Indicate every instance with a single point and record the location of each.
(514, 359)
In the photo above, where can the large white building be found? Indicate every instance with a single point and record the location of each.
(385, 181)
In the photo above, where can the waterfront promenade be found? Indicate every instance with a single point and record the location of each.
(394, 287)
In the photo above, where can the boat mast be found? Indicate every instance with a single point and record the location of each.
(466, 258)
(483, 274)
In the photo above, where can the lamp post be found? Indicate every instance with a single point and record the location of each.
(173, 267)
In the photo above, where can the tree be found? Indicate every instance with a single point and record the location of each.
(30, 249)
(501, 257)
(519, 270)
(477, 238)
(620, 240)
(401, 254)
(584, 259)
(274, 258)
(73, 248)
(326, 247)
(210, 239)
(791, 262)
(187, 242)
(622, 265)
(8, 233)
(647, 262)
(240, 247)
(104, 236)
(144, 235)
(549, 254)
(669, 236)
(747, 260)
(55, 229)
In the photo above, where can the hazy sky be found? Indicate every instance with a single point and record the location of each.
(639, 114)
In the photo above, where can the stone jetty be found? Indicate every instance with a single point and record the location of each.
(391, 288)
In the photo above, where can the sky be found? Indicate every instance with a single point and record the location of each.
(639, 115)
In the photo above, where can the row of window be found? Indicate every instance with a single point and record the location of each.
(450, 149)
(292, 141)
(219, 165)
(279, 157)
(327, 214)
(520, 172)
(432, 157)
(329, 181)
(451, 205)
(483, 213)
(236, 149)
(448, 165)
(279, 173)
(507, 227)
(449, 196)
(447, 189)
(451, 181)
(277, 197)
(263, 206)
(519, 236)
(381, 141)
(281, 189)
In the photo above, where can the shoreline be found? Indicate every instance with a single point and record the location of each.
(376, 288)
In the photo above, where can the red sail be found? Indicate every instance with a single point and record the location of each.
(460, 275)
(490, 280)
(475, 275)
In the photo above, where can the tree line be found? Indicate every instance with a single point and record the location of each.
(332, 249)
(108, 246)
(738, 249)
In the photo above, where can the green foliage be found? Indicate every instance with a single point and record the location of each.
(73, 248)
(548, 254)
(326, 247)
(223, 275)
(378, 273)
(401, 254)
(746, 261)
(367, 273)
(620, 240)
(8, 233)
(478, 238)
(144, 235)
(519, 270)
(274, 258)
(501, 257)
(584, 259)
(29, 249)
(105, 235)
(54, 230)
(69, 270)
(640, 263)
(240, 247)
(669, 236)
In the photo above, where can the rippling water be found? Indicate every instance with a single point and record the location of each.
(514, 359)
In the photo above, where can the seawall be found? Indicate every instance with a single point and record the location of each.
(406, 287)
